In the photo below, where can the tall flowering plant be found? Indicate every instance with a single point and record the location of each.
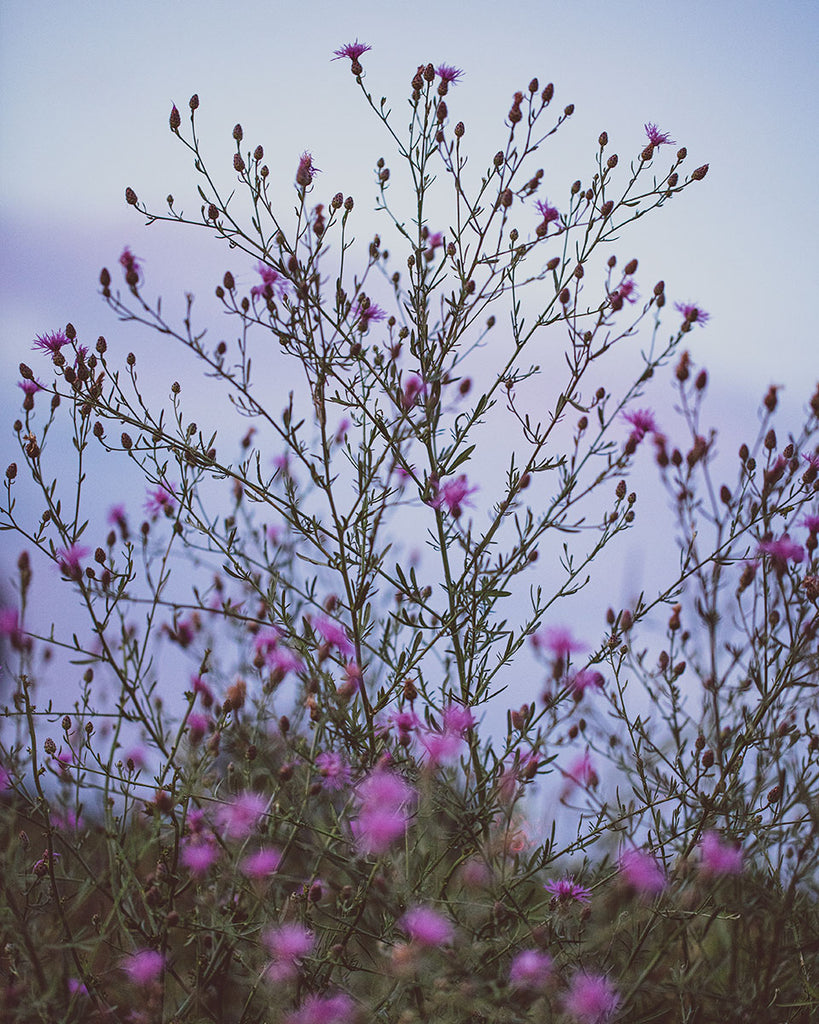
(269, 788)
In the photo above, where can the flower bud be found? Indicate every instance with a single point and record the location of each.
(699, 173)
(175, 120)
(548, 93)
(603, 139)
(131, 197)
(607, 207)
(26, 372)
(569, 110)
(630, 268)
(611, 163)
(459, 130)
(238, 162)
(105, 277)
(11, 471)
(238, 134)
(193, 103)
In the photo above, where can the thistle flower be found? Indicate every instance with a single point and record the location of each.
(692, 314)
(239, 816)
(426, 927)
(144, 966)
(51, 342)
(334, 770)
(305, 172)
(642, 872)
(288, 944)
(262, 863)
(591, 998)
(453, 495)
(566, 891)
(273, 284)
(353, 51)
(718, 857)
(530, 969)
(337, 1009)
(656, 137)
(69, 559)
(558, 640)
(642, 422)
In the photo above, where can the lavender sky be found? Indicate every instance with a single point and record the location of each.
(87, 88)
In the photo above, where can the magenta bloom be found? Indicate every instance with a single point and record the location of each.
(558, 640)
(272, 283)
(656, 137)
(338, 1009)
(365, 315)
(719, 858)
(586, 679)
(581, 772)
(426, 927)
(454, 494)
(239, 816)
(29, 387)
(305, 172)
(412, 389)
(628, 290)
(51, 342)
(811, 522)
(442, 747)
(642, 422)
(547, 212)
(642, 872)
(69, 559)
(131, 265)
(334, 770)
(566, 890)
(692, 314)
(352, 50)
(530, 969)
(781, 552)
(144, 966)
(335, 635)
(458, 718)
(383, 818)
(262, 863)
(591, 999)
(199, 855)
(447, 73)
(161, 500)
(288, 944)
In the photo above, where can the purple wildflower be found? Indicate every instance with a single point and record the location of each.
(29, 387)
(305, 172)
(272, 283)
(426, 927)
(161, 500)
(335, 635)
(530, 969)
(558, 640)
(413, 387)
(642, 872)
(365, 314)
(383, 818)
(656, 137)
(718, 857)
(334, 769)
(782, 551)
(453, 494)
(566, 890)
(642, 422)
(262, 863)
(240, 815)
(449, 74)
(51, 342)
(811, 522)
(547, 212)
(337, 1009)
(692, 314)
(144, 966)
(288, 944)
(131, 265)
(199, 854)
(591, 998)
(585, 679)
(352, 50)
(69, 559)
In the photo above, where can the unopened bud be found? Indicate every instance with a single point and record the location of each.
(131, 197)
(175, 120)
(700, 173)
(193, 103)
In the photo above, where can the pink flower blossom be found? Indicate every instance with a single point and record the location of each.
(337, 1009)
(30, 387)
(458, 718)
(585, 679)
(566, 890)
(161, 500)
(426, 927)
(201, 689)
(782, 551)
(642, 422)
(51, 342)
(558, 640)
(335, 635)
(366, 314)
(288, 944)
(628, 290)
(199, 854)
(69, 559)
(305, 171)
(240, 815)
(718, 857)
(273, 284)
(144, 966)
(334, 770)
(441, 747)
(453, 494)
(117, 517)
(811, 523)
(77, 988)
(656, 137)
(449, 74)
(591, 998)
(383, 797)
(580, 773)
(198, 726)
(129, 262)
(530, 969)
(642, 872)
(352, 50)
(547, 212)
(692, 314)
(262, 863)
(10, 627)
(413, 387)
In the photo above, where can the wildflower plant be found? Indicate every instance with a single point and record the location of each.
(272, 790)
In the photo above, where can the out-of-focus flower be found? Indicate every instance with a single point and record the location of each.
(306, 171)
(782, 551)
(453, 494)
(335, 771)
(718, 857)
(642, 422)
(530, 969)
(591, 998)
(240, 815)
(161, 500)
(199, 854)
(558, 641)
(30, 387)
(144, 966)
(69, 559)
(426, 927)
(585, 679)
(337, 1009)
(273, 284)
(288, 944)
(384, 798)
(262, 863)
(413, 387)
(642, 872)
(367, 313)
(692, 314)
(334, 634)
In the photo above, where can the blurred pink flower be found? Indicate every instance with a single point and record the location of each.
(144, 966)
(262, 863)
(240, 815)
(305, 171)
(426, 927)
(558, 640)
(692, 314)
(453, 494)
(530, 969)
(458, 718)
(656, 137)
(273, 284)
(413, 387)
(585, 679)
(337, 1009)
(199, 854)
(69, 559)
(782, 551)
(642, 872)
(591, 998)
(335, 635)
(334, 770)
(161, 500)
(642, 422)
(718, 857)
(288, 944)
